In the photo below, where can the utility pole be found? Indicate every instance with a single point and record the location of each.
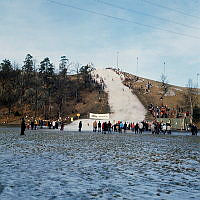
(164, 68)
(117, 59)
(137, 67)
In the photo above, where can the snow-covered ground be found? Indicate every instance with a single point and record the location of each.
(124, 105)
(48, 164)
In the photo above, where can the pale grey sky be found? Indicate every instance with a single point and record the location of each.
(47, 29)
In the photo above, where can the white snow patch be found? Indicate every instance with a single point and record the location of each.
(170, 93)
(178, 89)
(125, 106)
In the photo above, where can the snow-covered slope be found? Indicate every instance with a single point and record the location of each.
(124, 105)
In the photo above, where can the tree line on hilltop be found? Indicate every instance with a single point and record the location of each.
(40, 89)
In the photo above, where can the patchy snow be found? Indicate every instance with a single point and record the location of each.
(87, 125)
(170, 93)
(178, 89)
(48, 164)
(125, 106)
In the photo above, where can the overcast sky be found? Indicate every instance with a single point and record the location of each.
(46, 29)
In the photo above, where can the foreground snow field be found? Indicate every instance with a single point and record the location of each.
(124, 105)
(49, 164)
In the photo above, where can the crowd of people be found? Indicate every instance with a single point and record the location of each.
(51, 124)
(138, 128)
(34, 124)
(154, 127)
(165, 112)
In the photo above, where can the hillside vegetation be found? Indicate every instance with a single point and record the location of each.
(41, 93)
(179, 100)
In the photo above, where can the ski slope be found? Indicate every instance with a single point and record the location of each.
(124, 105)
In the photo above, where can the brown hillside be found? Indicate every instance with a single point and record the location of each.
(91, 100)
(95, 100)
(174, 99)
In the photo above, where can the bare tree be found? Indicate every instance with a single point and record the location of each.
(190, 97)
(164, 85)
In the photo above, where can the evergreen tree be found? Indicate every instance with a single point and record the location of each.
(6, 66)
(46, 67)
(47, 74)
(63, 66)
(9, 90)
(5, 72)
(86, 73)
(28, 64)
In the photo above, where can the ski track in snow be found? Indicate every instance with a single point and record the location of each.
(125, 106)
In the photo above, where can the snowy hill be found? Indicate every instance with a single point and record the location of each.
(124, 105)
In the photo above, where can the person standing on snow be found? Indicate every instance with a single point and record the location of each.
(99, 126)
(105, 127)
(168, 128)
(54, 124)
(129, 126)
(140, 127)
(109, 127)
(121, 126)
(23, 126)
(80, 126)
(62, 126)
(194, 129)
(32, 124)
(125, 127)
(95, 126)
(136, 128)
(163, 128)
(152, 128)
(133, 127)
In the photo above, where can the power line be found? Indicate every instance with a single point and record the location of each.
(172, 9)
(121, 19)
(145, 14)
